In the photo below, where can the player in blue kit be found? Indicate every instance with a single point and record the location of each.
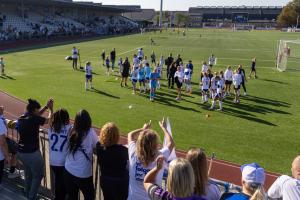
(147, 75)
(141, 78)
(153, 84)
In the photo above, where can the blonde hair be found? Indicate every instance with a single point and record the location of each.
(146, 146)
(296, 167)
(257, 191)
(109, 134)
(181, 181)
(197, 158)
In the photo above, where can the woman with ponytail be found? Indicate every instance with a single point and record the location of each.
(253, 179)
(79, 160)
(58, 134)
(29, 154)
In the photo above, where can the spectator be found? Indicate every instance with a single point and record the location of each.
(113, 159)
(169, 62)
(78, 165)
(113, 59)
(58, 134)
(180, 182)
(3, 146)
(171, 78)
(143, 151)
(28, 147)
(286, 187)
(125, 72)
(203, 186)
(253, 178)
(178, 60)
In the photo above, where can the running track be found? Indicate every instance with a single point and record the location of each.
(221, 170)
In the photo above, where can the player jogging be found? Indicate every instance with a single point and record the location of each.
(2, 65)
(253, 68)
(237, 80)
(204, 83)
(141, 78)
(179, 80)
(228, 80)
(88, 76)
(153, 84)
(75, 54)
(218, 95)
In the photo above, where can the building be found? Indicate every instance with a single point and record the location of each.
(200, 16)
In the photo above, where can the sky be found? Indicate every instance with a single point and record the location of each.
(185, 4)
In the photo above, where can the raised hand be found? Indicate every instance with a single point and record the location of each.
(160, 162)
(163, 123)
(147, 125)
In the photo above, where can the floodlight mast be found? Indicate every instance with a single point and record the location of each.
(160, 14)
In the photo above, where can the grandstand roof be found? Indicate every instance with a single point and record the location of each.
(239, 7)
(61, 3)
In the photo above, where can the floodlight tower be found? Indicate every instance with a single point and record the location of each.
(160, 14)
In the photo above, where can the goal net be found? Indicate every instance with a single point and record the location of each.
(288, 55)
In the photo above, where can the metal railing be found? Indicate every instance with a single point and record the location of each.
(47, 184)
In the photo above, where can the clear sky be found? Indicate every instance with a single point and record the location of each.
(185, 4)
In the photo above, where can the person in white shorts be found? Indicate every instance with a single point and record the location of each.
(237, 80)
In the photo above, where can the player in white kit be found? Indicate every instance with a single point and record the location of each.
(159, 73)
(187, 79)
(237, 80)
(88, 76)
(218, 95)
(204, 83)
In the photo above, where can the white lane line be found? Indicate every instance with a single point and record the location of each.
(130, 50)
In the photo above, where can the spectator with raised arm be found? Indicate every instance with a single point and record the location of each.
(113, 159)
(143, 151)
(286, 187)
(180, 182)
(203, 186)
(29, 154)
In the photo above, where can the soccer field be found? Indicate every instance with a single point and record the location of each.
(264, 128)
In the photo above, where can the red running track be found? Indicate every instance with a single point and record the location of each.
(221, 170)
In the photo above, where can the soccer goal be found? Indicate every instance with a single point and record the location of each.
(288, 55)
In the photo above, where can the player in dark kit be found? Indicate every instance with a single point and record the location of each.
(103, 57)
(113, 59)
(253, 68)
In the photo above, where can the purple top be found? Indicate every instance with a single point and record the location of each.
(157, 193)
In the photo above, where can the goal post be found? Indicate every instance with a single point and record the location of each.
(288, 55)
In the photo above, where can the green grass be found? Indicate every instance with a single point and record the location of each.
(263, 128)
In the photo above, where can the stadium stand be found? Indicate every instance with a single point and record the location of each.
(52, 18)
(227, 17)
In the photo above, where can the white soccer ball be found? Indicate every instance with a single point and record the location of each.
(130, 106)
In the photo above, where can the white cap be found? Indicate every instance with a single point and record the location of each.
(253, 173)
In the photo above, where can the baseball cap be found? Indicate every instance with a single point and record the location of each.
(253, 173)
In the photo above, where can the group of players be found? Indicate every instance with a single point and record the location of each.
(146, 79)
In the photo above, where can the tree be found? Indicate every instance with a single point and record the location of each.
(289, 14)
(181, 19)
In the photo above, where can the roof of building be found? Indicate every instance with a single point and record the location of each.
(71, 4)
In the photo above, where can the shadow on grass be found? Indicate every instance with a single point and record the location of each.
(266, 101)
(104, 93)
(7, 77)
(275, 81)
